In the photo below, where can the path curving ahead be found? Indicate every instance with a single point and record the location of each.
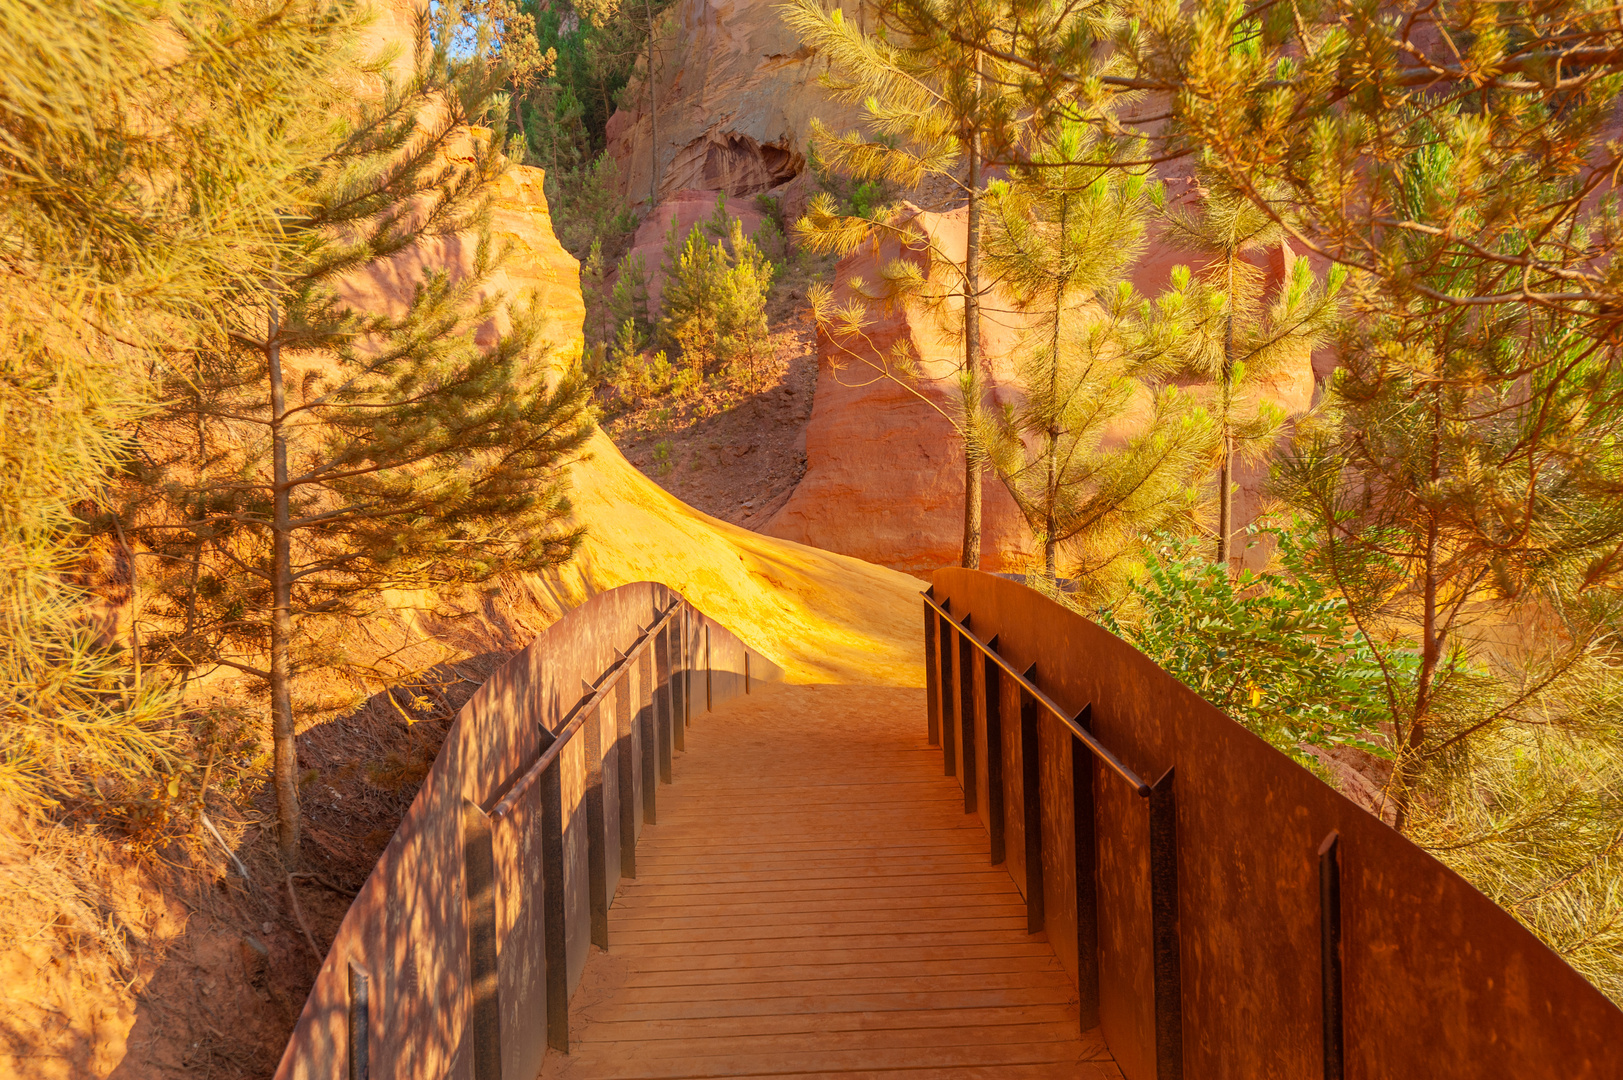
(814, 902)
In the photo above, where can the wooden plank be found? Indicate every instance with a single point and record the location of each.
(812, 1039)
(813, 901)
(868, 969)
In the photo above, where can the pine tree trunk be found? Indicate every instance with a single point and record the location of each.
(1432, 640)
(286, 766)
(1225, 472)
(972, 350)
(1050, 526)
(653, 115)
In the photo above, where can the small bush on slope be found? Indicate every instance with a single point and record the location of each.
(1275, 650)
(715, 296)
(1531, 812)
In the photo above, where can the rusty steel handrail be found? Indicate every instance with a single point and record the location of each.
(575, 719)
(946, 679)
(1065, 718)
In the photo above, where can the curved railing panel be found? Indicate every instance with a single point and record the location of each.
(1211, 944)
(458, 955)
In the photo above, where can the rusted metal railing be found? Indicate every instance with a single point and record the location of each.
(1249, 921)
(1086, 750)
(459, 956)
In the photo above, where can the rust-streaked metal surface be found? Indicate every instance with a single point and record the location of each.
(407, 931)
(1438, 982)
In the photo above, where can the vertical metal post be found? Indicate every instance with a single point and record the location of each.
(555, 950)
(1031, 804)
(1330, 955)
(662, 703)
(479, 880)
(1085, 840)
(966, 715)
(992, 684)
(947, 641)
(597, 829)
(360, 1024)
(626, 772)
(708, 701)
(1164, 929)
(746, 671)
(932, 687)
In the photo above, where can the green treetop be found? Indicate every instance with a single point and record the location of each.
(1238, 335)
(1062, 234)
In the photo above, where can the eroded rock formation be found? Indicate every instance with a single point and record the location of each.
(884, 478)
(884, 467)
(737, 94)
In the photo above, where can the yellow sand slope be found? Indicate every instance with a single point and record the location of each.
(823, 617)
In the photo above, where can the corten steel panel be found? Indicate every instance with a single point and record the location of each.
(983, 759)
(1439, 982)
(609, 727)
(522, 962)
(577, 879)
(932, 687)
(630, 739)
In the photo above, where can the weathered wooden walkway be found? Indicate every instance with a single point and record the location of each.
(814, 902)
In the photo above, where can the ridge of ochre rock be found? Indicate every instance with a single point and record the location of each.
(824, 617)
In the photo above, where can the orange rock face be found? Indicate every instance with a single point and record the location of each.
(884, 466)
(737, 93)
(536, 265)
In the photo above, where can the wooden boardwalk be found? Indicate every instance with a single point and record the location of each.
(814, 902)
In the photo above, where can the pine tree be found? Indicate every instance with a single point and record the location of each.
(142, 152)
(1239, 336)
(1062, 234)
(947, 99)
(326, 455)
(928, 105)
(714, 304)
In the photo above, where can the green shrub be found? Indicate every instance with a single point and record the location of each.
(714, 307)
(587, 208)
(629, 300)
(1275, 650)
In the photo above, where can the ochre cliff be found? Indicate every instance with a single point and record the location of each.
(884, 479)
(737, 93)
